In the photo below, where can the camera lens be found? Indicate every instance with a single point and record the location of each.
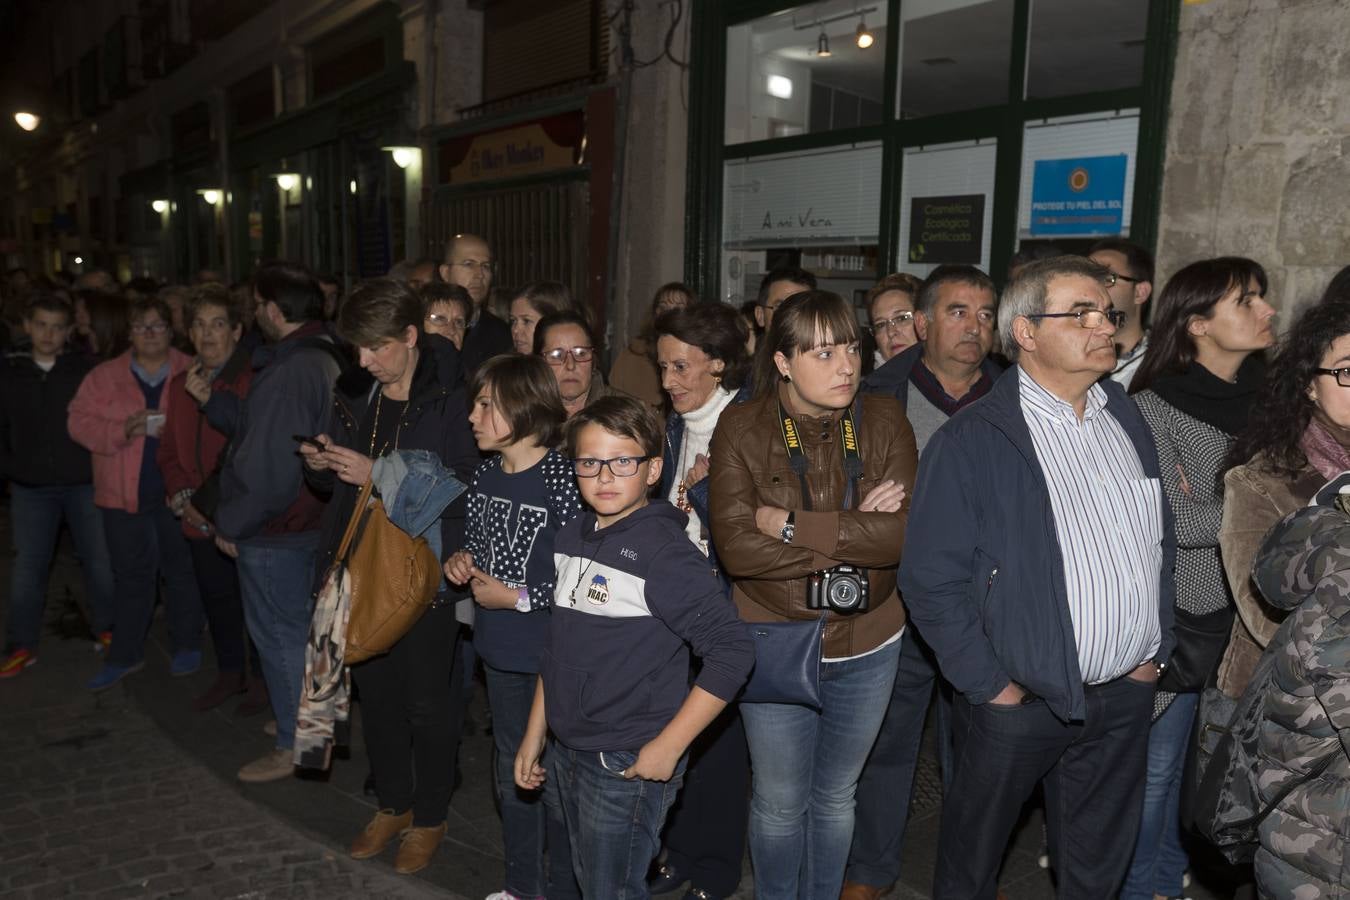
(843, 593)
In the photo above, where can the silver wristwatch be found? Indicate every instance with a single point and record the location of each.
(789, 529)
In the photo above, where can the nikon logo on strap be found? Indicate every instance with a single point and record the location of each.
(790, 435)
(850, 437)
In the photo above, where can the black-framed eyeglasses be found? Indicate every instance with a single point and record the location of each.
(1112, 277)
(619, 466)
(558, 355)
(1088, 318)
(1342, 376)
(895, 322)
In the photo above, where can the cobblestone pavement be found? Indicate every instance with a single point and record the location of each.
(131, 793)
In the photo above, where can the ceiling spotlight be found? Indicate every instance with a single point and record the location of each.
(160, 206)
(864, 38)
(823, 45)
(27, 121)
(287, 180)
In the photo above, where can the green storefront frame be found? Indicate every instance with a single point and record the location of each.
(707, 152)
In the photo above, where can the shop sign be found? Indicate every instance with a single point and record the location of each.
(1082, 196)
(531, 148)
(946, 229)
(832, 195)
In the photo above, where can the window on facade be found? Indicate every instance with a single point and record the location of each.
(818, 209)
(955, 55)
(1078, 178)
(946, 206)
(804, 70)
(1078, 46)
(534, 45)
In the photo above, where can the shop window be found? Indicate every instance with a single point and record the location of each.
(955, 55)
(1078, 46)
(818, 209)
(946, 206)
(1078, 177)
(806, 70)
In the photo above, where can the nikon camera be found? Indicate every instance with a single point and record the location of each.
(842, 589)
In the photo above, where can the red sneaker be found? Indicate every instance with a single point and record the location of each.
(16, 662)
(104, 641)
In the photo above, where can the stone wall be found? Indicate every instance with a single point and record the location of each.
(1258, 143)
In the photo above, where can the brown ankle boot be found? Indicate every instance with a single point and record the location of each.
(417, 848)
(379, 832)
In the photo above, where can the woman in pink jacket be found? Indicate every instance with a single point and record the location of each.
(118, 414)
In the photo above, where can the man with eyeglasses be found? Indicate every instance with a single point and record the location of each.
(775, 287)
(1130, 286)
(1038, 566)
(469, 264)
(948, 370)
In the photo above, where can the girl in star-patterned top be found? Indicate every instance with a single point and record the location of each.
(519, 499)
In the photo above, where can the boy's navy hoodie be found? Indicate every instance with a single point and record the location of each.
(630, 602)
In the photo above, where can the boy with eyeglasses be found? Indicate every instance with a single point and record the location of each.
(632, 597)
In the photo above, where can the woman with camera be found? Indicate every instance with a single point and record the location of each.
(808, 496)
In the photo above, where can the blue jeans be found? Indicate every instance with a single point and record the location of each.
(887, 781)
(35, 519)
(614, 823)
(805, 766)
(146, 546)
(1159, 858)
(275, 581)
(531, 820)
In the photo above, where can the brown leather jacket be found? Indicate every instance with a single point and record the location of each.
(750, 469)
(1253, 501)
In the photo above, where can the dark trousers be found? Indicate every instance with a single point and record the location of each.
(887, 782)
(143, 547)
(1093, 774)
(218, 582)
(405, 716)
(705, 832)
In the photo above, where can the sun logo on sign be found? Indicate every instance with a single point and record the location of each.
(1078, 180)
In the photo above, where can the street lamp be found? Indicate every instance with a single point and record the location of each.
(404, 156)
(160, 206)
(287, 180)
(27, 121)
(210, 195)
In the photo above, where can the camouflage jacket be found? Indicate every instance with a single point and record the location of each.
(1304, 566)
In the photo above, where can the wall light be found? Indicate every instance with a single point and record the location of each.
(404, 156)
(210, 195)
(160, 206)
(352, 186)
(780, 86)
(864, 38)
(287, 180)
(79, 260)
(27, 121)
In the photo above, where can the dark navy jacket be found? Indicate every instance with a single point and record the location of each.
(35, 447)
(697, 493)
(632, 600)
(892, 379)
(982, 573)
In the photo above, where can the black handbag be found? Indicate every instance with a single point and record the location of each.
(1201, 640)
(787, 663)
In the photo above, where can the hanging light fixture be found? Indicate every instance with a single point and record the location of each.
(823, 45)
(864, 37)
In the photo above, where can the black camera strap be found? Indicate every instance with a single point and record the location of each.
(848, 440)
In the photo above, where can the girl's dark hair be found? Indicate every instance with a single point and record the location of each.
(619, 415)
(804, 321)
(1193, 291)
(525, 393)
(109, 326)
(381, 309)
(717, 330)
(564, 317)
(1283, 410)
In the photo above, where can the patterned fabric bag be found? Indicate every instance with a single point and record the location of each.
(326, 698)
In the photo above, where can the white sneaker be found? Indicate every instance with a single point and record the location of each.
(270, 728)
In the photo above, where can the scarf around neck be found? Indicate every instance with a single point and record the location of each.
(1201, 394)
(1324, 443)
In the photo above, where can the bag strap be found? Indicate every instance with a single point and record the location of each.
(357, 512)
(1322, 765)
